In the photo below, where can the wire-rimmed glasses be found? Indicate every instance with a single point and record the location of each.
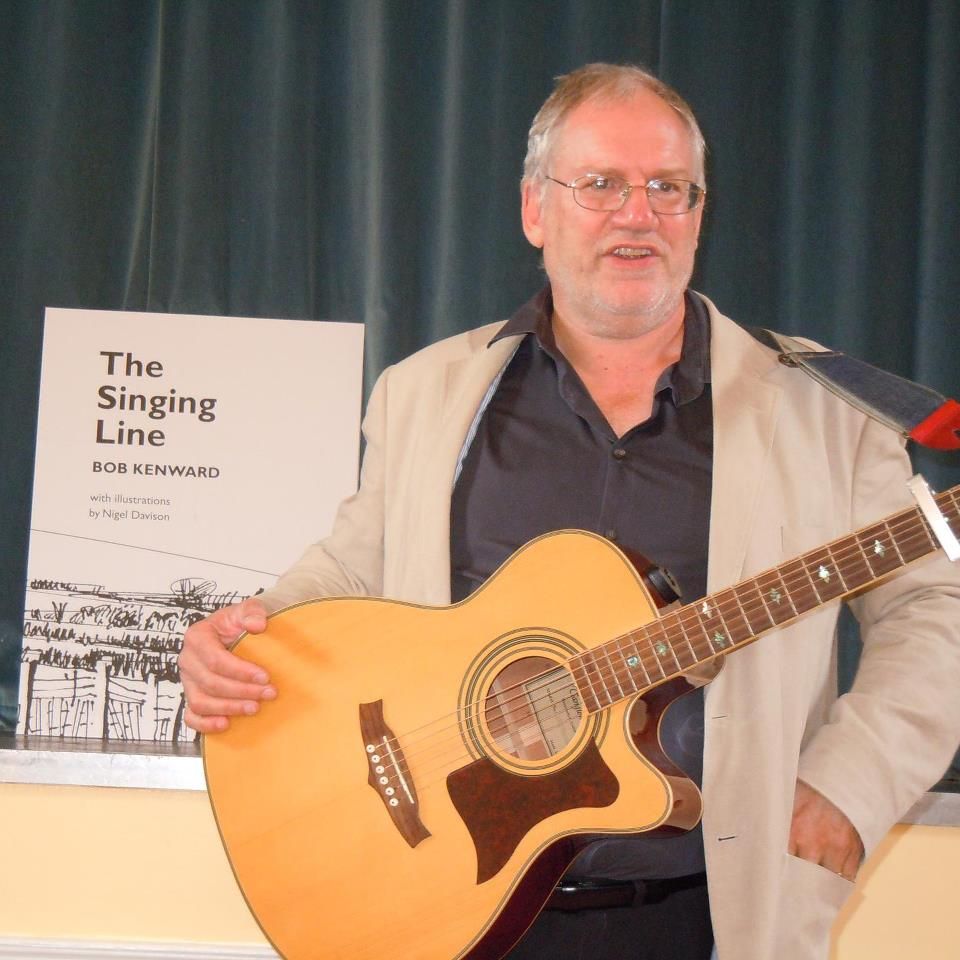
(596, 191)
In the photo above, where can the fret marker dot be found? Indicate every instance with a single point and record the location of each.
(633, 661)
(661, 649)
(878, 548)
(775, 596)
(824, 574)
(719, 639)
(706, 609)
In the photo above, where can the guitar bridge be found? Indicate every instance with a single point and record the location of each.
(389, 774)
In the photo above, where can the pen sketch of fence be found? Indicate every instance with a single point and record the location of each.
(102, 664)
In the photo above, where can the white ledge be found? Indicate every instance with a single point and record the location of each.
(94, 763)
(49, 949)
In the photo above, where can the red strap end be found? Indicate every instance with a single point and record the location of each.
(941, 430)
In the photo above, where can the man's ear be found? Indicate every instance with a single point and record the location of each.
(531, 204)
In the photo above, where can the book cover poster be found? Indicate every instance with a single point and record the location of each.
(182, 462)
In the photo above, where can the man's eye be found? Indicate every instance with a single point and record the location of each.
(600, 184)
(664, 187)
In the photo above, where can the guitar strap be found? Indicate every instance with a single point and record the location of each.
(914, 411)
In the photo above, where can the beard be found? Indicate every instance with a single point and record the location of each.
(626, 316)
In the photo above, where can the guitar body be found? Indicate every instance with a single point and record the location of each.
(412, 790)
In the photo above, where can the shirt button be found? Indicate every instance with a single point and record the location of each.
(619, 453)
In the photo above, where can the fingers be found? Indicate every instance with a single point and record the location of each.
(230, 622)
(207, 715)
(821, 833)
(217, 683)
(213, 724)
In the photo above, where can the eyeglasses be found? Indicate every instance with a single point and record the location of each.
(593, 191)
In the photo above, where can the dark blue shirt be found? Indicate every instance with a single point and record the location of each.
(544, 458)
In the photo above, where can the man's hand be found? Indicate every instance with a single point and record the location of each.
(821, 833)
(217, 684)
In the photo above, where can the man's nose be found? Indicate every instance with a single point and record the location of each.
(636, 208)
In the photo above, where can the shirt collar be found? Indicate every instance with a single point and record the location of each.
(685, 379)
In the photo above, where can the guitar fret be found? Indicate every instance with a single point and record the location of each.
(868, 566)
(823, 574)
(836, 564)
(950, 503)
(773, 592)
(762, 608)
(585, 670)
(851, 561)
(714, 625)
(920, 540)
(658, 650)
(951, 496)
(793, 596)
(628, 673)
(694, 657)
(949, 508)
(763, 600)
(666, 647)
(720, 640)
(813, 583)
(893, 540)
(881, 552)
(673, 652)
(730, 611)
(676, 637)
(803, 596)
(604, 688)
(789, 595)
(638, 657)
(751, 629)
(931, 539)
(683, 639)
(704, 610)
(613, 670)
(742, 613)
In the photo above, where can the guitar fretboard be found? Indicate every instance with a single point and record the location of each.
(738, 615)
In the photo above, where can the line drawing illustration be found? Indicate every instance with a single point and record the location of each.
(101, 663)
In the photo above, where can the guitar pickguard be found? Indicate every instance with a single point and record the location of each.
(499, 807)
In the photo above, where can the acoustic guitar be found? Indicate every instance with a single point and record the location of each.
(413, 791)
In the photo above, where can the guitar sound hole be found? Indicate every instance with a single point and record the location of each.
(533, 709)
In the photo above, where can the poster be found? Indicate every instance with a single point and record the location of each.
(182, 462)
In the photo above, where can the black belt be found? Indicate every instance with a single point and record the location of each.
(572, 895)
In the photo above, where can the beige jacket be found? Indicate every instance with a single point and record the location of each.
(794, 467)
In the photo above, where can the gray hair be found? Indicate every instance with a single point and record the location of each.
(599, 81)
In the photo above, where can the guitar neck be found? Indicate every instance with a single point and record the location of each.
(738, 615)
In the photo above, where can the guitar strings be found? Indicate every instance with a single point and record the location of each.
(747, 603)
(799, 577)
(516, 700)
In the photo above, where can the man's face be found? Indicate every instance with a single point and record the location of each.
(616, 273)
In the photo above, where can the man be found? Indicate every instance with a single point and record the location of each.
(619, 401)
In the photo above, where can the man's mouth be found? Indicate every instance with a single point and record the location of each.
(632, 253)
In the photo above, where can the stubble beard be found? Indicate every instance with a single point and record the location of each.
(624, 321)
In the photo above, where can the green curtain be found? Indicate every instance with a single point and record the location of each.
(359, 160)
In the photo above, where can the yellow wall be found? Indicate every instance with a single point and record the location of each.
(148, 865)
(119, 865)
(905, 905)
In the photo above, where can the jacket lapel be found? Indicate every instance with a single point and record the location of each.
(745, 409)
(466, 381)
